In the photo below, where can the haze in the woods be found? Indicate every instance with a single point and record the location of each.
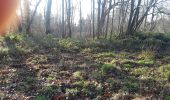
(86, 50)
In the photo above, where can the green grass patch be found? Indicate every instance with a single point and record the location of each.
(106, 68)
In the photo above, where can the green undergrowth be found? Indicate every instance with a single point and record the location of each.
(138, 42)
(84, 68)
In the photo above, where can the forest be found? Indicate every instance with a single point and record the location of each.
(86, 50)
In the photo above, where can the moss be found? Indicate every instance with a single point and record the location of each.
(165, 71)
(167, 98)
(127, 66)
(97, 75)
(122, 55)
(2, 96)
(80, 83)
(131, 87)
(141, 71)
(78, 75)
(146, 62)
(114, 61)
(42, 97)
(108, 67)
(72, 92)
(3, 51)
(149, 83)
(146, 54)
(49, 91)
(113, 85)
(106, 54)
(87, 50)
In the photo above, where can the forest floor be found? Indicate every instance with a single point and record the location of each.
(98, 70)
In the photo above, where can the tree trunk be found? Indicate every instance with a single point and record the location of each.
(48, 17)
(80, 20)
(113, 14)
(32, 17)
(98, 19)
(93, 18)
(129, 28)
(108, 18)
(63, 16)
(134, 20)
(69, 18)
(103, 17)
(152, 24)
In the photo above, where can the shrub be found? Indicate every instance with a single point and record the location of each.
(48, 41)
(16, 37)
(69, 44)
(161, 36)
(158, 36)
(152, 44)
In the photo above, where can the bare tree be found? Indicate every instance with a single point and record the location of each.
(135, 20)
(102, 13)
(32, 17)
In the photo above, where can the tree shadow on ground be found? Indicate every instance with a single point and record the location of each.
(20, 80)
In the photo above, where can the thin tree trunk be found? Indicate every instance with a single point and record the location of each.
(103, 17)
(98, 19)
(69, 18)
(48, 17)
(32, 17)
(108, 18)
(145, 23)
(80, 20)
(152, 25)
(130, 18)
(113, 14)
(63, 16)
(93, 19)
